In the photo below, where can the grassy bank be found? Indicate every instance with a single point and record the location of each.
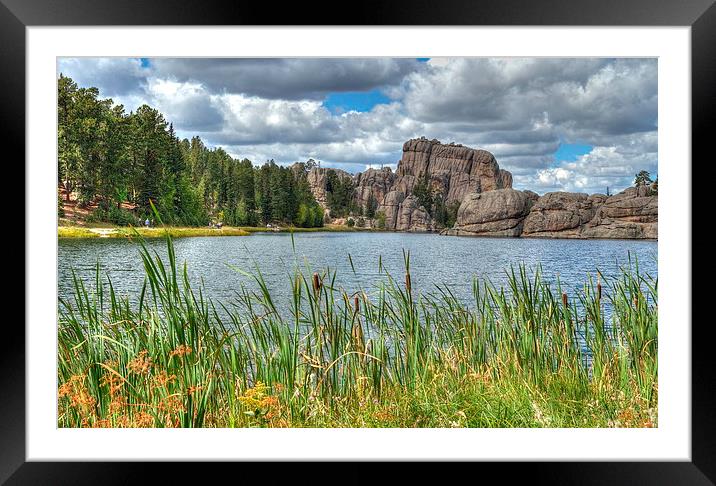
(525, 356)
(185, 231)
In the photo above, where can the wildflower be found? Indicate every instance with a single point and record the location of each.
(76, 391)
(144, 419)
(259, 403)
(162, 379)
(140, 364)
(180, 351)
(540, 417)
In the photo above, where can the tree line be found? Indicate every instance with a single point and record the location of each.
(110, 157)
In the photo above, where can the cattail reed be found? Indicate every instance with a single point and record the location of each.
(194, 367)
(599, 289)
(316, 283)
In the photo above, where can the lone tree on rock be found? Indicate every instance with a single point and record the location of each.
(642, 179)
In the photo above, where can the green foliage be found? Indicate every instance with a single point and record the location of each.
(445, 214)
(371, 206)
(526, 355)
(60, 204)
(423, 191)
(351, 222)
(339, 194)
(380, 220)
(642, 179)
(109, 157)
(114, 215)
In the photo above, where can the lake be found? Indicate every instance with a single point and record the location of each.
(434, 260)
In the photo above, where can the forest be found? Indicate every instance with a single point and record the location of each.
(123, 163)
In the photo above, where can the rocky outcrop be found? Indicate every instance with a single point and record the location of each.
(488, 204)
(376, 182)
(413, 217)
(494, 213)
(632, 213)
(561, 214)
(453, 170)
(317, 178)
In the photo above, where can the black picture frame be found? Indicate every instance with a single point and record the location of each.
(16, 15)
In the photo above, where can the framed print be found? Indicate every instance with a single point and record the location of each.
(430, 235)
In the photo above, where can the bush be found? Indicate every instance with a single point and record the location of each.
(351, 223)
(60, 204)
(380, 217)
(114, 215)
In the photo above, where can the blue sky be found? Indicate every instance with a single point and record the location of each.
(569, 152)
(577, 124)
(355, 101)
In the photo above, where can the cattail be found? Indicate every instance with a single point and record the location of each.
(564, 299)
(356, 304)
(599, 291)
(316, 283)
(407, 282)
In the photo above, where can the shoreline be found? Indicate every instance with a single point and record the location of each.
(192, 231)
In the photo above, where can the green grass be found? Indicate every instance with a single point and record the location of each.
(385, 357)
(187, 231)
(75, 232)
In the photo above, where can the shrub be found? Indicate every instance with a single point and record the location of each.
(380, 217)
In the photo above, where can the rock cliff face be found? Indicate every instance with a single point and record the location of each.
(317, 180)
(453, 171)
(488, 204)
(377, 182)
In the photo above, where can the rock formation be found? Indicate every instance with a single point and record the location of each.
(488, 204)
(633, 213)
(494, 213)
(453, 171)
(630, 214)
(377, 182)
(317, 178)
(561, 214)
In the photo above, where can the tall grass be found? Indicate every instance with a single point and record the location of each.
(527, 355)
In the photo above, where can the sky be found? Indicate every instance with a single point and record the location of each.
(558, 124)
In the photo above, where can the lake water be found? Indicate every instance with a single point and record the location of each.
(434, 259)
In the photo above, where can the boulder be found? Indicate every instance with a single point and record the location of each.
(494, 213)
(413, 217)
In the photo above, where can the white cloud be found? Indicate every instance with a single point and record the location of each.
(519, 109)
